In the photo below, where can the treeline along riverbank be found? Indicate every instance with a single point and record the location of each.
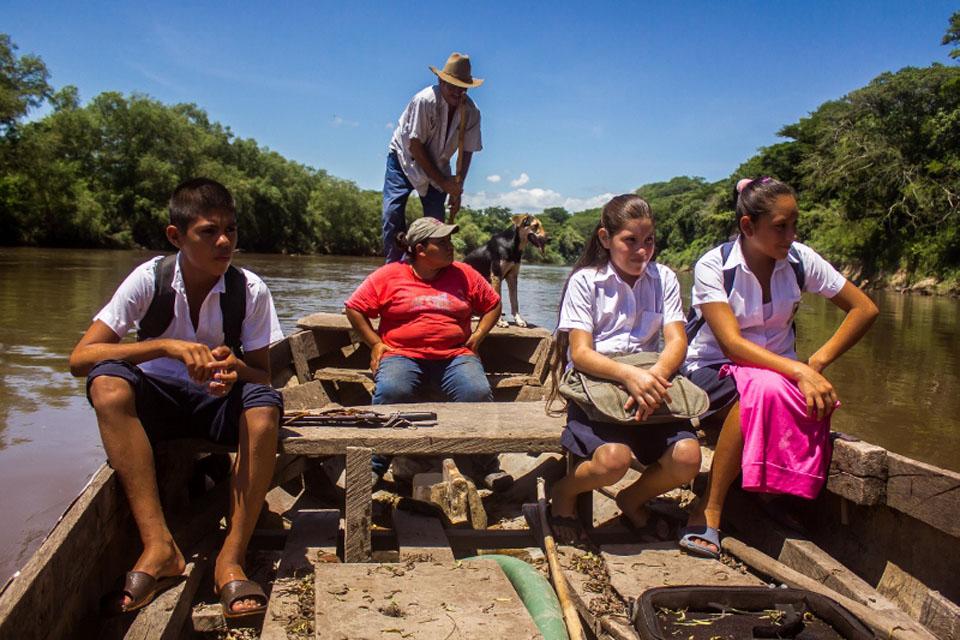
(877, 173)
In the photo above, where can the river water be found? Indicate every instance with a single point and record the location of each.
(900, 387)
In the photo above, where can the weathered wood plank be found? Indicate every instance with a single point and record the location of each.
(303, 348)
(635, 568)
(358, 513)
(304, 397)
(859, 458)
(924, 492)
(339, 374)
(281, 363)
(425, 600)
(313, 538)
(52, 590)
(464, 429)
(812, 561)
(531, 393)
(941, 616)
(865, 491)
(421, 538)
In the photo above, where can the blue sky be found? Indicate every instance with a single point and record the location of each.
(581, 99)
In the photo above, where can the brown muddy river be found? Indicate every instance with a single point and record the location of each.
(900, 387)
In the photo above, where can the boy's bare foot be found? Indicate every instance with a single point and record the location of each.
(637, 514)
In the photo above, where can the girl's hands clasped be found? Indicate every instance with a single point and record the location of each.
(647, 389)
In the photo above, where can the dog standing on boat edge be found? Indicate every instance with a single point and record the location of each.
(499, 259)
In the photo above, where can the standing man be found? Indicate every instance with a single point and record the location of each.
(421, 147)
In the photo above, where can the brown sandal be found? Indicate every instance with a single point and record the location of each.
(237, 590)
(142, 588)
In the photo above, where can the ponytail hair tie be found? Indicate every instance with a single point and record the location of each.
(743, 182)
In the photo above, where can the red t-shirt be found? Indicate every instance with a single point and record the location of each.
(420, 319)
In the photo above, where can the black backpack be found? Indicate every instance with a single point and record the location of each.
(233, 304)
(695, 321)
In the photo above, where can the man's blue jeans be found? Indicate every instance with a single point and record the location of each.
(396, 191)
(400, 379)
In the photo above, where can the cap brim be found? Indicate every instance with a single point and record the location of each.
(444, 230)
(457, 82)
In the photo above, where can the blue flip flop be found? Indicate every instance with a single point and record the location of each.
(701, 532)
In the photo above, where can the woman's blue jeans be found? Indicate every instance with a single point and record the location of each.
(400, 379)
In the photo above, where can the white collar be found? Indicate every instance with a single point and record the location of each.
(608, 272)
(178, 286)
(736, 258)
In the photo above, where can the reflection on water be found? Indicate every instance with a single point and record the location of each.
(900, 387)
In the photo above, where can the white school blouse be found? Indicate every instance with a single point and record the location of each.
(132, 299)
(621, 318)
(772, 330)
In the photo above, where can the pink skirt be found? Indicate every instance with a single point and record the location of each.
(784, 451)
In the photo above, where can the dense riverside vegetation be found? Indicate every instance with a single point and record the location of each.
(877, 173)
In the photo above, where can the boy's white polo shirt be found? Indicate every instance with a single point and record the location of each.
(621, 318)
(130, 302)
(775, 333)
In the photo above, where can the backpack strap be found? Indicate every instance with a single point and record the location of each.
(797, 266)
(233, 304)
(233, 307)
(695, 320)
(160, 312)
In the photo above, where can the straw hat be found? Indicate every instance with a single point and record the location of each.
(457, 71)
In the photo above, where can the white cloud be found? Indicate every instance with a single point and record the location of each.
(519, 182)
(533, 200)
(343, 122)
(494, 178)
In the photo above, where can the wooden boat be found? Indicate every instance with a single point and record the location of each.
(880, 539)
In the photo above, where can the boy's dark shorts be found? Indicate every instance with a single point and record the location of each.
(172, 408)
(721, 391)
(648, 442)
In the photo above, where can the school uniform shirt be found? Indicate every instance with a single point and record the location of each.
(622, 319)
(428, 319)
(770, 328)
(425, 119)
(129, 305)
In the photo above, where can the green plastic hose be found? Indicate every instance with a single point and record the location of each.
(536, 594)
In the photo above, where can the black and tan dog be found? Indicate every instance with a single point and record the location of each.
(499, 259)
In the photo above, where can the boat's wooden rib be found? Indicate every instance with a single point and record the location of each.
(312, 539)
(358, 509)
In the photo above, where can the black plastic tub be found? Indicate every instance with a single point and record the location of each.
(669, 613)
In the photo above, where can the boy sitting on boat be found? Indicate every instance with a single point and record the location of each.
(199, 369)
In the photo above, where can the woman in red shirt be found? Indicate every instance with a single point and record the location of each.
(425, 304)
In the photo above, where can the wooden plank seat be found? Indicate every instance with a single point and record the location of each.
(462, 429)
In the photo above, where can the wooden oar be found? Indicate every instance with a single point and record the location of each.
(570, 616)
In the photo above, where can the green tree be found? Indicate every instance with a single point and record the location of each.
(952, 36)
(23, 83)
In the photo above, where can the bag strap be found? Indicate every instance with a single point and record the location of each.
(695, 319)
(233, 307)
(160, 312)
(159, 315)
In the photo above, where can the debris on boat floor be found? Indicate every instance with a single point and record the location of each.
(300, 624)
(607, 600)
